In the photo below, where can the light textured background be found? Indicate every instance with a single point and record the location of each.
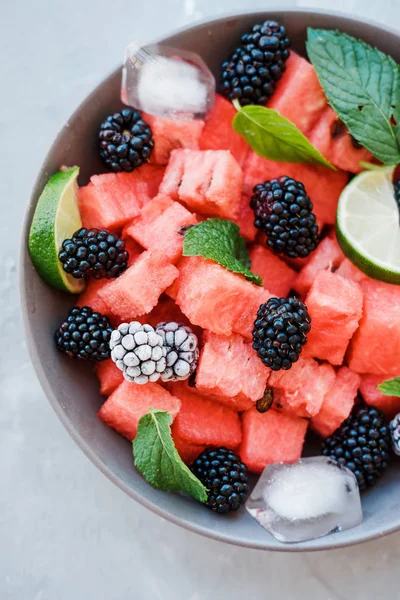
(66, 532)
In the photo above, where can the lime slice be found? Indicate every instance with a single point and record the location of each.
(368, 225)
(56, 218)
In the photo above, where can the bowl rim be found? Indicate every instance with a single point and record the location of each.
(41, 373)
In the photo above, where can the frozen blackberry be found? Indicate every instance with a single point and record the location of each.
(249, 75)
(126, 140)
(280, 332)
(85, 335)
(283, 211)
(225, 477)
(395, 433)
(182, 350)
(93, 253)
(362, 443)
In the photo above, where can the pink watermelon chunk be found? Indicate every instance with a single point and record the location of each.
(335, 307)
(158, 226)
(338, 402)
(270, 437)
(301, 390)
(133, 248)
(186, 450)
(204, 422)
(375, 347)
(277, 276)
(208, 182)
(167, 310)
(109, 376)
(350, 271)
(245, 220)
(228, 366)
(137, 291)
(91, 297)
(389, 405)
(216, 299)
(127, 405)
(327, 257)
(218, 133)
(171, 134)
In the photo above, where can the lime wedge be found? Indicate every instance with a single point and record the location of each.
(56, 218)
(368, 225)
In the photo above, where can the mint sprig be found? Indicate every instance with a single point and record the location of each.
(362, 85)
(273, 136)
(219, 240)
(158, 460)
(390, 387)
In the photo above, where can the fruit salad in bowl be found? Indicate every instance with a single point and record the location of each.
(224, 273)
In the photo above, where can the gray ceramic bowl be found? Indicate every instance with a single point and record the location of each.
(73, 390)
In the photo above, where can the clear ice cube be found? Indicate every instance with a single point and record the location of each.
(305, 500)
(167, 82)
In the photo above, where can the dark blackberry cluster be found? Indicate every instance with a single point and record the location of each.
(93, 253)
(85, 335)
(396, 186)
(283, 211)
(362, 444)
(225, 477)
(280, 332)
(126, 140)
(249, 75)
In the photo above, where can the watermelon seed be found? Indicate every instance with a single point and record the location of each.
(265, 403)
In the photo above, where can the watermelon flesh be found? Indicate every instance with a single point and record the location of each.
(350, 271)
(270, 437)
(109, 376)
(245, 220)
(327, 257)
(335, 307)
(171, 134)
(167, 310)
(375, 347)
(129, 402)
(389, 405)
(91, 297)
(338, 402)
(133, 248)
(277, 276)
(186, 450)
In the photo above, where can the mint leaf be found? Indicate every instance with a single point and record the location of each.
(362, 85)
(219, 240)
(158, 460)
(390, 387)
(275, 137)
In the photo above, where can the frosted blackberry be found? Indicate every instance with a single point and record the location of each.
(126, 140)
(85, 335)
(283, 211)
(250, 73)
(362, 443)
(225, 476)
(182, 350)
(395, 433)
(280, 332)
(93, 253)
(138, 351)
(396, 186)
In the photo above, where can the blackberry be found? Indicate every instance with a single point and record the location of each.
(225, 477)
(250, 73)
(396, 186)
(283, 211)
(85, 335)
(126, 140)
(280, 332)
(93, 253)
(362, 443)
(395, 434)
(182, 351)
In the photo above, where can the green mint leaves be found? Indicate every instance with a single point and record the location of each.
(390, 387)
(275, 137)
(363, 87)
(158, 460)
(219, 240)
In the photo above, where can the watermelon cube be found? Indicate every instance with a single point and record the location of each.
(137, 291)
(389, 405)
(109, 375)
(216, 299)
(218, 133)
(245, 219)
(327, 257)
(129, 402)
(186, 450)
(277, 276)
(338, 402)
(375, 347)
(270, 437)
(301, 390)
(170, 134)
(158, 226)
(208, 182)
(91, 297)
(335, 306)
(230, 367)
(204, 422)
(133, 248)
(167, 310)
(350, 271)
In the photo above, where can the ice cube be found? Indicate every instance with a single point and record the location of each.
(167, 82)
(305, 500)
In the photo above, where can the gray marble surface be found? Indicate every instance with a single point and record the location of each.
(66, 531)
